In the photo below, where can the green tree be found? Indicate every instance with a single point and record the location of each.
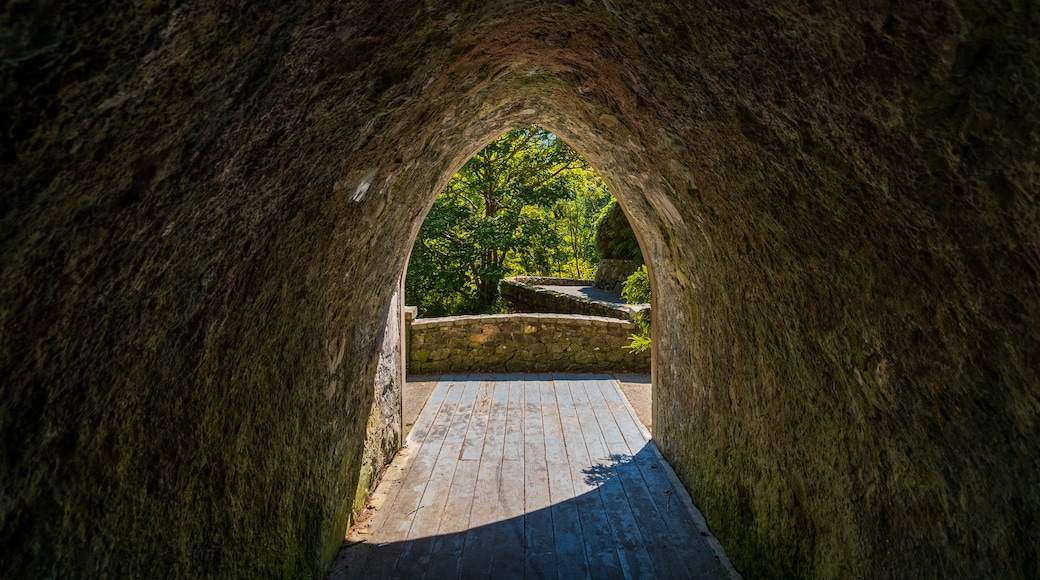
(575, 222)
(505, 212)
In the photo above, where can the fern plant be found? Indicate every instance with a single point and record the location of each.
(636, 290)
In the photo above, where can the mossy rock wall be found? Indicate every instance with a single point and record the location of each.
(506, 343)
(523, 295)
(611, 274)
(207, 209)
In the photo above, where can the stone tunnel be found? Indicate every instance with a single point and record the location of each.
(208, 207)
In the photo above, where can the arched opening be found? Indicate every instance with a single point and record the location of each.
(601, 138)
(530, 213)
(583, 398)
(209, 213)
(527, 204)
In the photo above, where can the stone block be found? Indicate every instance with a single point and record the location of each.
(557, 347)
(440, 354)
(583, 357)
(435, 367)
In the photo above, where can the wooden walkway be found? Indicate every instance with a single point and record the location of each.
(529, 476)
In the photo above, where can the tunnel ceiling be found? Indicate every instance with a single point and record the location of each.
(207, 210)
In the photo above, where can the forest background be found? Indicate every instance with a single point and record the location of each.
(527, 204)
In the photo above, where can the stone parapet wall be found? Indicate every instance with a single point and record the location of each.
(523, 295)
(522, 342)
(550, 281)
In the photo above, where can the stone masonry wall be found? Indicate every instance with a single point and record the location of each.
(522, 342)
(207, 208)
(523, 295)
(611, 274)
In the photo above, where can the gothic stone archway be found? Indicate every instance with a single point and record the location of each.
(207, 210)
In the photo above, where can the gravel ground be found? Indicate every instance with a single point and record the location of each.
(416, 392)
(639, 393)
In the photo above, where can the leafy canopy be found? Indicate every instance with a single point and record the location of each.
(525, 204)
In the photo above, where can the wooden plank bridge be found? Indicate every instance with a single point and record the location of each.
(529, 476)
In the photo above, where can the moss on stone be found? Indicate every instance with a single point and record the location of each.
(837, 203)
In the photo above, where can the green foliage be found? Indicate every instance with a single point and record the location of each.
(525, 204)
(614, 236)
(641, 341)
(636, 288)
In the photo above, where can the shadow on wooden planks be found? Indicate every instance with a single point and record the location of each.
(630, 523)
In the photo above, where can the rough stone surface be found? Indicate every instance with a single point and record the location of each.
(523, 296)
(385, 432)
(611, 274)
(523, 342)
(204, 204)
(548, 281)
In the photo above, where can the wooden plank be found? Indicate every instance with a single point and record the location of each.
(478, 553)
(671, 519)
(600, 546)
(496, 420)
(608, 440)
(630, 490)
(536, 473)
(508, 561)
(634, 431)
(514, 441)
(566, 521)
(446, 556)
(415, 557)
(474, 444)
(447, 458)
(552, 429)
(412, 444)
(698, 555)
(607, 448)
(539, 538)
(422, 423)
(466, 411)
(395, 520)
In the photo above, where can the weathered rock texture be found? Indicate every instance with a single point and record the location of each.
(524, 296)
(611, 274)
(207, 208)
(385, 432)
(523, 342)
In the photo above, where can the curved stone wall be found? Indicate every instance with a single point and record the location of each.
(207, 208)
(522, 294)
(522, 342)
